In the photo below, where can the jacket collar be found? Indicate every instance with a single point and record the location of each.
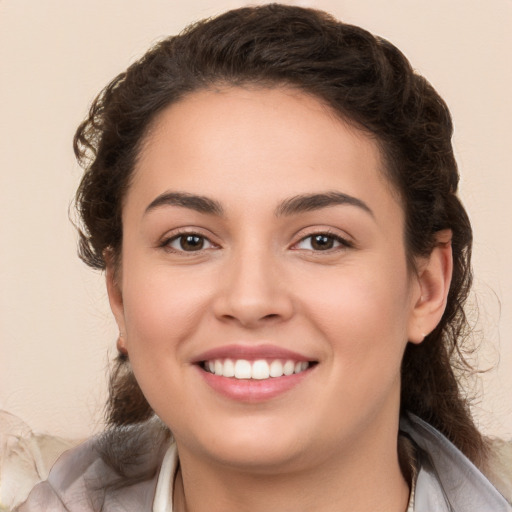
(447, 481)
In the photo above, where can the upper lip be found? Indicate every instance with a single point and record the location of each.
(250, 352)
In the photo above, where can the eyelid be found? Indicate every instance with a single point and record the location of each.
(344, 241)
(181, 232)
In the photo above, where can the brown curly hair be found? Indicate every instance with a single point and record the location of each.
(366, 81)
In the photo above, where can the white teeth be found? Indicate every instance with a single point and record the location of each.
(258, 370)
(288, 367)
(242, 369)
(276, 369)
(228, 369)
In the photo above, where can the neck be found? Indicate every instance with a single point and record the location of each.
(361, 479)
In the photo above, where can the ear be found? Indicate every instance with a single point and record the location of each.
(434, 276)
(115, 297)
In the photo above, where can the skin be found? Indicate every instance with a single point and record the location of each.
(330, 442)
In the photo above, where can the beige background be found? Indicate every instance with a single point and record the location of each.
(56, 332)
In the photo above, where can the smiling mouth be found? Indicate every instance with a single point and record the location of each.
(259, 369)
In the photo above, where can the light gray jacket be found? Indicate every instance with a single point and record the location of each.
(81, 481)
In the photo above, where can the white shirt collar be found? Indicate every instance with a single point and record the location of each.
(164, 487)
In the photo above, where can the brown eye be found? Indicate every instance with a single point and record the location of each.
(322, 242)
(189, 242)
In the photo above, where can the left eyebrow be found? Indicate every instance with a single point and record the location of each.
(200, 204)
(311, 202)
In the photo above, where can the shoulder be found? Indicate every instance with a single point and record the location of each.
(116, 471)
(25, 458)
(499, 466)
(447, 480)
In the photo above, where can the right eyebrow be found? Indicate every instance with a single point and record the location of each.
(311, 202)
(200, 204)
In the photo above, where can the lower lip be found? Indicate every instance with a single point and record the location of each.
(253, 390)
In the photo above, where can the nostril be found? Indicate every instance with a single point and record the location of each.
(252, 307)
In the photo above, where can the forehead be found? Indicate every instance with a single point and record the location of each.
(250, 144)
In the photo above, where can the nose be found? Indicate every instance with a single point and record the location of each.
(252, 291)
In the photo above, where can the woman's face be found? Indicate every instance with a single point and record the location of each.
(260, 237)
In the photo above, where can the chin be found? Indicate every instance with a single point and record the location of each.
(259, 457)
(255, 446)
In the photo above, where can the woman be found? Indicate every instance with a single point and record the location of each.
(272, 194)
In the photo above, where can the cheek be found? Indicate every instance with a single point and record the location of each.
(365, 325)
(162, 313)
(364, 315)
(162, 308)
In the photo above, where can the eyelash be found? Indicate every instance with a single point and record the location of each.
(343, 242)
(166, 244)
